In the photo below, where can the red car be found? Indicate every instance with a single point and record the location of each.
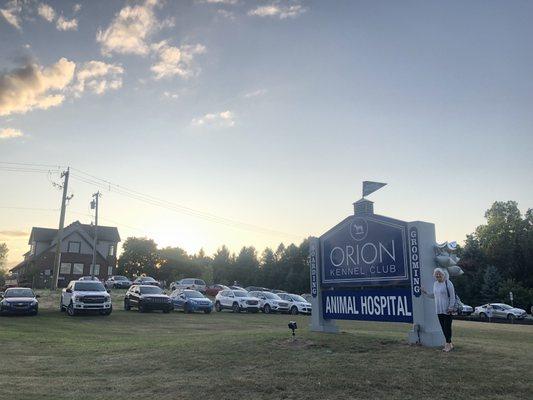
(212, 290)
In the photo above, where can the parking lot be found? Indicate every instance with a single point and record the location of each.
(131, 355)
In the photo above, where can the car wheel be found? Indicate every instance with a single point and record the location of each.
(266, 309)
(511, 317)
(166, 310)
(218, 306)
(236, 308)
(482, 315)
(294, 310)
(70, 310)
(127, 305)
(141, 308)
(106, 312)
(61, 307)
(208, 311)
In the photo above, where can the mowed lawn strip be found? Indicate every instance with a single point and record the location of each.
(129, 355)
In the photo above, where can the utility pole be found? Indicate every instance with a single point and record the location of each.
(57, 259)
(94, 205)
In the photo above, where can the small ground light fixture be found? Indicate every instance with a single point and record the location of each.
(292, 326)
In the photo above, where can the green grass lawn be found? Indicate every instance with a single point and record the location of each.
(250, 356)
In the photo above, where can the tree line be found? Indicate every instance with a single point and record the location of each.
(497, 259)
(286, 268)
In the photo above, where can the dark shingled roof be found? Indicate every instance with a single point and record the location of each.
(107, 233)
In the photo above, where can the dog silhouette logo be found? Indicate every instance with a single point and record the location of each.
(358, 229)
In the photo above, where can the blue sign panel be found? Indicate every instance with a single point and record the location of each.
(313, 267)
(362, 251)
(415, 261)
(389, 305)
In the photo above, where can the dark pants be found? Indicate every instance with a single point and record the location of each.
(446, 325)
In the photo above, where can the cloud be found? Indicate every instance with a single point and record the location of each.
(76, 8)
(278, 10)
(255, 93)
(46, 11)
(34, 87)
(224, 119)
(175, 61)
(63, 24)
(98, 77)
(170, 95)
(130, 30)
(13, 233)
(226, 2)
(11, 13)
(10, 133)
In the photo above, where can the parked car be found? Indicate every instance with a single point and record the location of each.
(189, 283)
(118, 282)
(464, 309)
(297, 304)
(18, 300)
(147, 298)
(145, 280)
(212, 290)
(236, 300)
(190, 301)
(81, 296)
(89, 278)
(256, 289)
(500, 310)
(270, 302)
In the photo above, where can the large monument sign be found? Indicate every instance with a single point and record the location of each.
(371, 267)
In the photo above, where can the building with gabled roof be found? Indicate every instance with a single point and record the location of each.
(76, 254)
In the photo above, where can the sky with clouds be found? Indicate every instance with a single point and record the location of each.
(254, 122)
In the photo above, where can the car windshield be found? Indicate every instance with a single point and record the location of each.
(121, 278)
(151, 290)
(89, 287)
(240, 293)
(148, 279)
(19, 293)
(193, 294)
(271, 296)
(505, 306)
(298, 298)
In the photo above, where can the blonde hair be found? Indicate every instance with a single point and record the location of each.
(442, 271)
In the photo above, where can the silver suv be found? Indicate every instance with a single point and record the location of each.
(81, 296)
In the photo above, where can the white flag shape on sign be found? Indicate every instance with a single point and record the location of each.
(371, 187)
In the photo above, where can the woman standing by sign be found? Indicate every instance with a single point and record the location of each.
(444, 295)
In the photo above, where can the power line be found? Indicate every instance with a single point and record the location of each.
(32, 164)
(143, 197)
(152, 200)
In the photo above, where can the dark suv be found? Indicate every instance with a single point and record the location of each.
(147, 298)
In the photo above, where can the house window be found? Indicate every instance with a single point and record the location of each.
(77, 269)
(109, 271)
(65, 268)
(95, 270)
(74, 247)
(111, 250)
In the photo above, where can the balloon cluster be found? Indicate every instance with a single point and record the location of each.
(445, 258)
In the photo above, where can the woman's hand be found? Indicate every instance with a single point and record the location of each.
(423, 290)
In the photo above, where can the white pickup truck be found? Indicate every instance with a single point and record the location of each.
(81, 296)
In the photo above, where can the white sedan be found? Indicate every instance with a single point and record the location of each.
(499, 310)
